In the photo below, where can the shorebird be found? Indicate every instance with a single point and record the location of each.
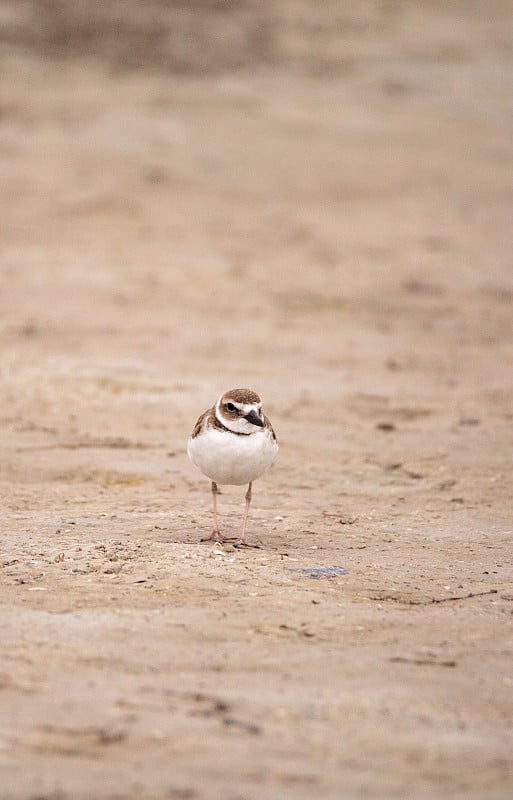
(233, 443)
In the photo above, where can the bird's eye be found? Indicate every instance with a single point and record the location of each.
(230, 406)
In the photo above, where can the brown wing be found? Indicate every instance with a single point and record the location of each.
(200, 423)
(268, 423)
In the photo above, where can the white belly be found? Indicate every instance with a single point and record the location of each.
(228, 458)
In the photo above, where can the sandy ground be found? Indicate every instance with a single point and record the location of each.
(326, 220)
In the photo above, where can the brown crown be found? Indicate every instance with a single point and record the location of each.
(241, 396)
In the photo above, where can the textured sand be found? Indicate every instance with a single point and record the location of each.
(317, 205)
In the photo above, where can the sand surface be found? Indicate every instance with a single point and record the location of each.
(313, 201)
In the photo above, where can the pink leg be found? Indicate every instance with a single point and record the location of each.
(241, 542)
(216, 535)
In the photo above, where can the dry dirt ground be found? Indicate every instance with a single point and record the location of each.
(314, 201)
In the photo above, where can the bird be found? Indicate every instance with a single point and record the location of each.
(233, 443)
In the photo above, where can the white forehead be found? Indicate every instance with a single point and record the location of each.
(244, 408)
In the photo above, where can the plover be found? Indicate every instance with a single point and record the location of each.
(233, 443)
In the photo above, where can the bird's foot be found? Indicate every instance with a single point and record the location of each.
(215, 536)
(241, 543)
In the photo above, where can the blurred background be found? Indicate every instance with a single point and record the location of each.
(310, 199)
